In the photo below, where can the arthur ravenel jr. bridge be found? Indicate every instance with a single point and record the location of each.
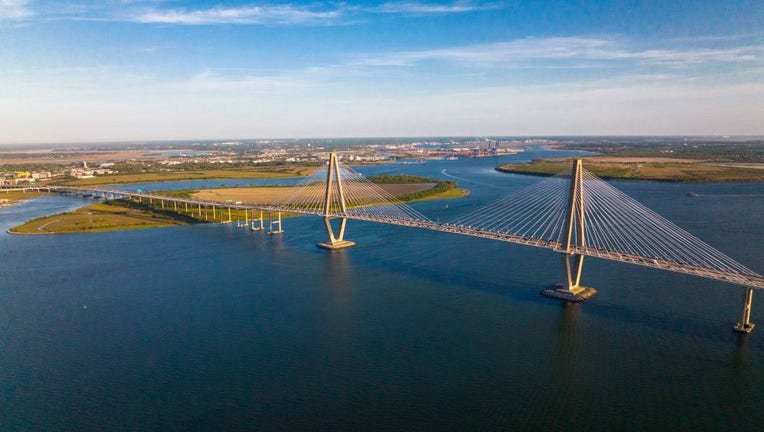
(574, 213)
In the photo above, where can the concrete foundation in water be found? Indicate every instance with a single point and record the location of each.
(575, 296)
(336, 245)
(744, 328)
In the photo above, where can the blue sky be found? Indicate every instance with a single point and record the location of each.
(153, 69)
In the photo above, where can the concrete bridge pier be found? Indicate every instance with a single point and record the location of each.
(571, 289)
(246, 220)
(258, 220)
(272, 231)
(745, 325)
(335, 242)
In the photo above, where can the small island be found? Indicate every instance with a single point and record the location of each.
(107, 216)
(9, 198)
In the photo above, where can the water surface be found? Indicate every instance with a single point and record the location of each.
(210, 327)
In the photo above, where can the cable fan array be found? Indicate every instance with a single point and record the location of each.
(536, 211)
(364, 199)
(614, 223)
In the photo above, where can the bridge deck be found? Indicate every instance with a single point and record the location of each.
(755, 281)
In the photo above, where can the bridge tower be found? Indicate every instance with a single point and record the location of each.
(573, 263)
(745, 325)
(333, 176)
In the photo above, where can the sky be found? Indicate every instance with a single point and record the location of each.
(133, 70)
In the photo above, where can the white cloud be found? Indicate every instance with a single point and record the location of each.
(522, 51)
(431, 8)
(295, 13)
(211, 81)
(14, 9)
(270, 14)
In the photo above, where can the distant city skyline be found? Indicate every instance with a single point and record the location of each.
(130, 70)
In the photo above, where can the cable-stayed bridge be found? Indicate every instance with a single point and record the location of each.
(575, 214)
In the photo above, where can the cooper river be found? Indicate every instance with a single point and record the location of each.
(210, 327)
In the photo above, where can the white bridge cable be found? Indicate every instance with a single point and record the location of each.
(366, 198)
(537, 211)
(363, 198)
(615, 225)
(621, 224)
(306, 197)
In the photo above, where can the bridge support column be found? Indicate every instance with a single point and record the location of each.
(745, 325)
(333, 173)
(260, 220)
(335, 242)
(571, 289)
(272, 231)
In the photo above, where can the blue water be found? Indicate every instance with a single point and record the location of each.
(209, 327)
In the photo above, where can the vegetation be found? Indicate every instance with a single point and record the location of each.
(15, 196)
(443, 189)
(107, 216)
(721, 150)
(641, 169)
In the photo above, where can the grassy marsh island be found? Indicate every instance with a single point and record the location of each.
(9, 198)
(106, 216)
(646, 168)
